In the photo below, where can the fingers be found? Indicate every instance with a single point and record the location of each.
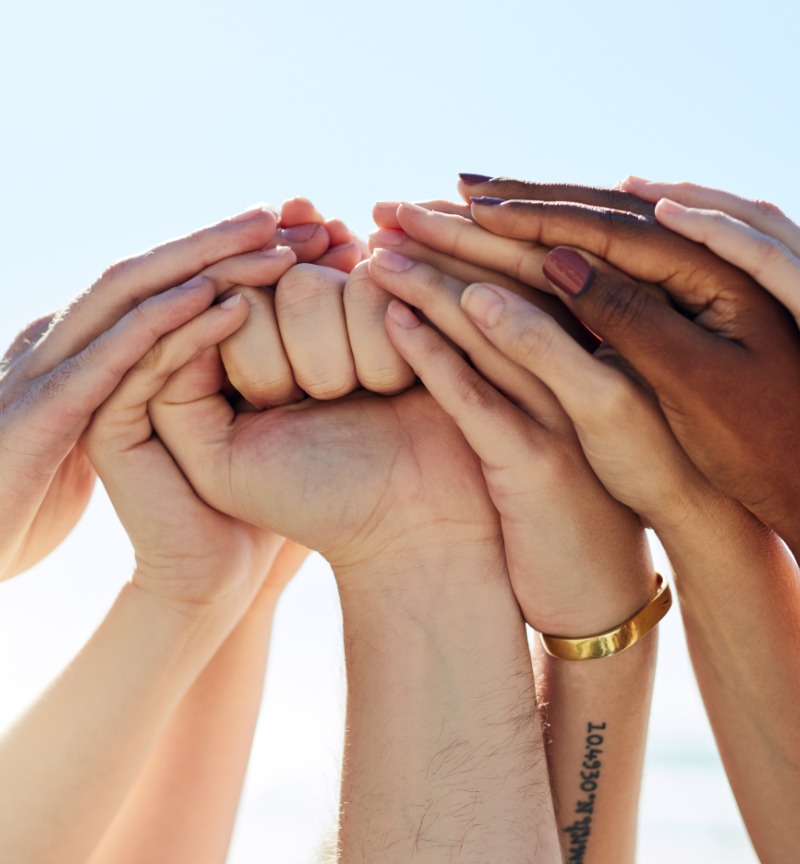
(477, 185)
(195, 422)
(384, 213)
(122, 421)
(378, 365)
(460, 238)
(343, 257)
(343, 250)
(299, 211)
(27, 338)
(693, 276)
(497, 431)
(398, 241)
(310, 311)
(623, 434)
(438, 296)
(255, 358)
(308, 241)
(254, 269)
(637, 324)
(534, 341)
(771, 263)
(67, 396)
(119, 347)
(761, 215)
(128, 283)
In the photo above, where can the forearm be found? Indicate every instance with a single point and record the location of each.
(183, 805)
(444, 753)
(74, 755)
(740, 599)
(596, 714)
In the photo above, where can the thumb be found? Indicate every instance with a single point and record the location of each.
(195, 423)
(635, 319)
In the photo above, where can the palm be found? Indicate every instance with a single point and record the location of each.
(354, 479)
(184, 548)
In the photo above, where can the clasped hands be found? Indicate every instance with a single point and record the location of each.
(460, 459)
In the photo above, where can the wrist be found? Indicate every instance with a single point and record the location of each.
(187, 627)
(422, 577)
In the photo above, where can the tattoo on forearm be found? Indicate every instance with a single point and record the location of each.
(581, 828)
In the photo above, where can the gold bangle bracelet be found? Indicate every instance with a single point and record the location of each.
(618, 639)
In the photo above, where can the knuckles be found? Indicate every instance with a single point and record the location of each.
(616, 307)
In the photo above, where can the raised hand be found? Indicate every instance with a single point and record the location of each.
(61, 368)
(712, 355)
(78, 752)
(577, 558)
(733, 575)
(753, 235)
(388, 490)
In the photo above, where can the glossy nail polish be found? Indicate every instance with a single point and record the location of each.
(485, 200)
(567, 270)
(474, 179)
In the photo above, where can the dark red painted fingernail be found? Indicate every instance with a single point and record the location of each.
(474, 179)
(483, 199)
(568, 271)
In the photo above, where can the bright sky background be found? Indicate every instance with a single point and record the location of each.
(125, 124)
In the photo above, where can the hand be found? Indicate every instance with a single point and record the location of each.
(734, 576)
(395, 471)
(258, 357)
(343, 251)
(64, 366)
(753, 235)
(712, 358)
(387, 489)
(186, 553)
(577, 558)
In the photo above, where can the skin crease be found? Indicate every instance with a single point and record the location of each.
(730, 330)
(415, 533)
(733, 575)
(165, 626)
(356, 577)
(62, 367)
(578, 560)
(181, 712)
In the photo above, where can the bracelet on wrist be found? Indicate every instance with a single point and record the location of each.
(617, 639)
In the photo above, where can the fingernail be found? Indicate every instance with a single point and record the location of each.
(252, 213)
(474, 179)
(669, 206)
(231, 301)
(402, 315)
(567, 270)
(388, 237)
(632, 180)
(483, 303)
(414, 208)
(392, 261)
(486, 200)
(300, 233)
(277, 251)
(195, 282)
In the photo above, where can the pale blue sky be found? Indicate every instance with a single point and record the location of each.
(125, 124)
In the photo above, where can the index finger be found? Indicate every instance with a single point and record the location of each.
(636, 244)
(126, 284)
(761, 215)
(472, 185)
(461, 238)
